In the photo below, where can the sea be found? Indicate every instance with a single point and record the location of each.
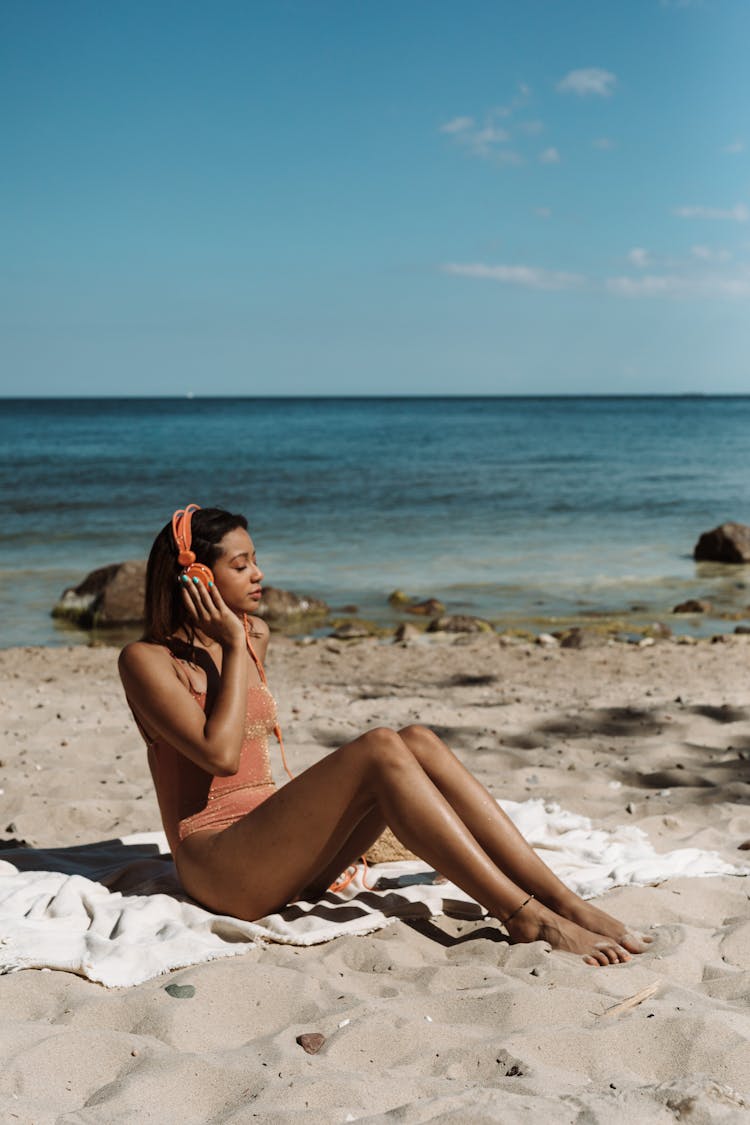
(534, 513)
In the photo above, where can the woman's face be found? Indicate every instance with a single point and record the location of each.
(236, 572)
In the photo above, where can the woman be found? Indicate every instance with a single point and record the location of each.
(196, 687)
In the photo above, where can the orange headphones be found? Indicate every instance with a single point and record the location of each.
(181, 530)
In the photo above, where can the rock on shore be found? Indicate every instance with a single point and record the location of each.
(728, 543)
(109, 595)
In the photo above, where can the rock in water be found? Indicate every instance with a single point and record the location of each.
(282, 607)
(353, 630)
(693, 605)
(459, 623)
(728, 543)
(110, 595)
(398, 599)
(429, 608)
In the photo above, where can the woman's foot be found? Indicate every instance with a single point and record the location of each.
(538, 923)
(590, 917)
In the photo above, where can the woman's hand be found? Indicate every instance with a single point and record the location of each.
(211, 614)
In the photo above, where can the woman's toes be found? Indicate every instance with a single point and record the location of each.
(608, 954)
(635, 943)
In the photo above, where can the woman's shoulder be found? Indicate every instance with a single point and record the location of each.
(142, 656)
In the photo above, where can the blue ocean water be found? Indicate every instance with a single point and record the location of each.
(516, 509)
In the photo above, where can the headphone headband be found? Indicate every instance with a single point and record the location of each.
(181, 530)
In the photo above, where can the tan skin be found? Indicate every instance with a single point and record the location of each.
(326, 818)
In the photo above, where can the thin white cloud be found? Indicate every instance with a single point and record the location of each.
(549, 156)
(675, 286)
(481, 140)
(738, 214)
(639, 257)
(528, 277)
(708, 286)
(457, 125)
(709, 254)
(734, 148)
(603, 143)
(487, 136)
(588, 81)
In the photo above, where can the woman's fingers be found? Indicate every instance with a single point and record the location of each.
(203, 598)
(195, 595)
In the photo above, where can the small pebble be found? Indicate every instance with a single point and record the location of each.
(180, 991)
(311, 1041)
(547, 639)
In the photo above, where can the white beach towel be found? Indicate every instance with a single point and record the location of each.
(114, 911)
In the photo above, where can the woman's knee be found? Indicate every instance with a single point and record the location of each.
(385, 748)
(421, 740)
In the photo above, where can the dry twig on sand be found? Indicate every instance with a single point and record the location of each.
(631, 1001)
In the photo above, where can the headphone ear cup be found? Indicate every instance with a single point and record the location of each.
(203, 573)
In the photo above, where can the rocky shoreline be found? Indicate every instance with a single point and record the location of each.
(108, 606)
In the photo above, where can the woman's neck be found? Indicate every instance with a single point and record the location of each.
(195, 640)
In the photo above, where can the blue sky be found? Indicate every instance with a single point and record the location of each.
(533, 197)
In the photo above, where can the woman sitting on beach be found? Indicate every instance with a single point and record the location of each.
(196, 687)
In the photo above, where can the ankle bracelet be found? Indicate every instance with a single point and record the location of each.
(518, 910)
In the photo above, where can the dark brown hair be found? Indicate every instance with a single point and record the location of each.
(165, 610)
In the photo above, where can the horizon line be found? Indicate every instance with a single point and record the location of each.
(373, 397)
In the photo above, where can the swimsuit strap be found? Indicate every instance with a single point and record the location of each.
(182, 663)
(261, 672)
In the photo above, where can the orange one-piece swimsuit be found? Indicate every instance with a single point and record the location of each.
(191, 799)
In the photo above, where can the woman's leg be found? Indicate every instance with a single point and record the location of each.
(504, 844)
(361, 839)
(287, 843)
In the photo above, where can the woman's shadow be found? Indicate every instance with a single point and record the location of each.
(141, 868)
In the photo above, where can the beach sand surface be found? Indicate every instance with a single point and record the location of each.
(439, 1020)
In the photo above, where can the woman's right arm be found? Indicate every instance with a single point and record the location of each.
(167, 709)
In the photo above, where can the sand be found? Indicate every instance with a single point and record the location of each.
(431, 1021)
